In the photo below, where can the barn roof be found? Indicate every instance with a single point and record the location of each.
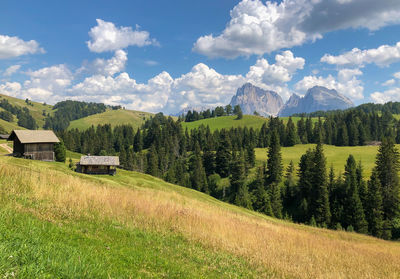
(99, 161)
(34, 136)
(4, 136)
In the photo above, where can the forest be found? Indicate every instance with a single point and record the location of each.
(308, 193)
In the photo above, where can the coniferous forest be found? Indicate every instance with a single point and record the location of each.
(218, 163)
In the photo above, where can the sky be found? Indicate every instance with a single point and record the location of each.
(170, 55)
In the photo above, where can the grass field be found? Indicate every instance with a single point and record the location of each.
(227, 122)
(57, 223)
(113, 117)
(36, 110)
(336, 155)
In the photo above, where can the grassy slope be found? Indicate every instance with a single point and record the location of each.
(56, 223)
(335, 155)
(36, 111)
(230, 121)
(113, 117)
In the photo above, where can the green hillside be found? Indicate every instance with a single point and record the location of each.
(57, 223)
(36, 110)
(336, 155)
(227, 122)
(113, 117)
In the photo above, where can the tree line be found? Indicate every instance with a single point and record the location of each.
(211, 113)
(25, 119)
(66, 111)
(219, 163)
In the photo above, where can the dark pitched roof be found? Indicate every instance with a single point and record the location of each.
(34, 136)
(3, 136)
(99, 161)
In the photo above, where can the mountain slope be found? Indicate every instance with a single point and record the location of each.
(35, 109)
(252, 98)
(113, 117)
(316, 98)
(56, 223)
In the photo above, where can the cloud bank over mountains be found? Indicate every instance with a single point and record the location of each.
(255, 28)
(258, 28)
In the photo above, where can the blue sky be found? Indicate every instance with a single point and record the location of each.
(168, 55)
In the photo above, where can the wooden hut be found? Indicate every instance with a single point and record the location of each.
(98, 164)
(34, 144)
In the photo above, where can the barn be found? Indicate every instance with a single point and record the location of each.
(98, 164)
(34, 144)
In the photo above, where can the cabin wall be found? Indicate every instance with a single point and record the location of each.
(94, 169)
(39, 151)
(18, 148)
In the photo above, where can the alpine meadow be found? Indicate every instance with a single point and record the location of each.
(211, 139)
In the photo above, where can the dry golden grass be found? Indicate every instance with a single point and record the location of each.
(286, 249)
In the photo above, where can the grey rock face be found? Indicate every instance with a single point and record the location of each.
(316, 98)
(252, 98)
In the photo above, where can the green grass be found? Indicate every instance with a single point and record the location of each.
(56, 223)
(336, 155)
(227, 122)
(113, 117)
(36, 110)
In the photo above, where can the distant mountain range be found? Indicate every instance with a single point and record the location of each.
(316, 98)
(252, 98)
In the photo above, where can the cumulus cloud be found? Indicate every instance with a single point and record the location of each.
(10, 89)
(345, 83)
(202, 86)
(11, 70)
(386, 96)
(397, 75)
(105, 36)
(381, 56)
(389, 82)
(258, 28)
(11, 47)
(108, 67)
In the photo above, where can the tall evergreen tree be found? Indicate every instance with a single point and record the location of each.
(354, 209)
(291, 134)
(374, 205)
(239, 190)
(262, 201)
(223, 155)
(320, 203)
(274, 162)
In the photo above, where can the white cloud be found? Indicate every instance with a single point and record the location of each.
(202, 86)
(386, 96)
(151, 63)
(13, 47)
(389, 82)
(107, 37)
(258, 28)
(11, 70)
(381, 56)
(10, 89)
(109, 67)
(397, 75)
(345, 83)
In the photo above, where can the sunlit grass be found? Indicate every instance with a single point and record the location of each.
(259, 246)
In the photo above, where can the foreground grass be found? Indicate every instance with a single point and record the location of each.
(113, 117)
(56, 223)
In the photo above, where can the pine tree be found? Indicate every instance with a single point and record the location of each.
(374, 207)
(276, 199)
(223, 155)
(274, 162)
(387, 167)
(198, 176)
(239, 190)
(60, 152)
(354, 209)
(262, 201)
(152, 162)
(320, 203)
(291, 134)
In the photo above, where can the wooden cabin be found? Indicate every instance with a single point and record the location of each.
(98, 164)
(34, 144)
